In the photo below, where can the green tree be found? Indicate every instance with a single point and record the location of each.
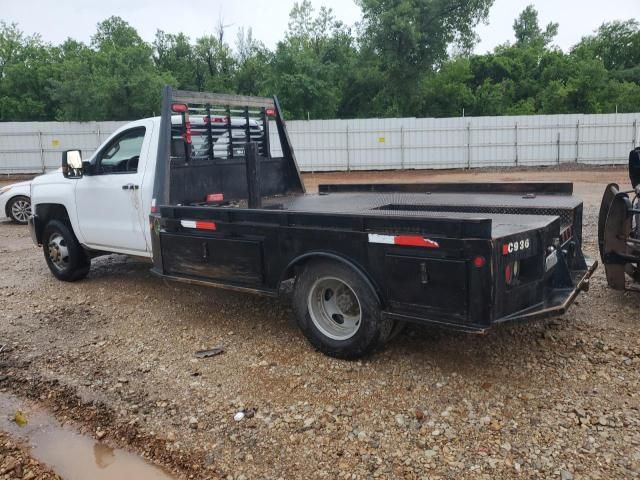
(26, 64)
(528, 32)
(127, 83)
(214, 62)
(407, 58)
(412, 37)
(252, 60)
(617, 45)
(174, 55)
(73, 87)
(448, 92)
(309, 68)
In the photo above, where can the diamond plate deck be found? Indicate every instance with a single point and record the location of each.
(510, 214)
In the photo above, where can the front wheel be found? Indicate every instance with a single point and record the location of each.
(65, 256)
(19, 209)
(338, 311)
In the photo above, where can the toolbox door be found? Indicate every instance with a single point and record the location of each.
(427, 287)
(209, 258)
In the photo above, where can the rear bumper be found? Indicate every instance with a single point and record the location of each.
(558, 300)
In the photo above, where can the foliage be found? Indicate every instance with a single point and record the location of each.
(411, 39)
(528, 32)
(406, 58)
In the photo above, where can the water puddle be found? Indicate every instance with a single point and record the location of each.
(69, 454)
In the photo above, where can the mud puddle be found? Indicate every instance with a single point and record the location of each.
(69, 454)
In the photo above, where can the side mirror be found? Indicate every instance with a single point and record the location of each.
(72, 164)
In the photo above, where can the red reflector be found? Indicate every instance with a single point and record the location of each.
(414, 241)
(505, 249)
(479, 261)
(215, 197)
(187, 132)
(179, 107)
(508, 274)
(271, 112)
(205, 225)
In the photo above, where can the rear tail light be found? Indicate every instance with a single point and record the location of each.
(512, 272)
(179, 107)
(508, 274)
(271, 112)
(479, 261)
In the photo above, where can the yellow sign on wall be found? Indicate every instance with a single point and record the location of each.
(55, 142)
(381, 139)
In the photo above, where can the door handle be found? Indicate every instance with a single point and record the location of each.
(130, 186)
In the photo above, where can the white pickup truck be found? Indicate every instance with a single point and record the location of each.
(107, 208)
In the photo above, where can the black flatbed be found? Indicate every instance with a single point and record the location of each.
(461, 255)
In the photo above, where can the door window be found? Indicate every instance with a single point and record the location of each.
(121, 155)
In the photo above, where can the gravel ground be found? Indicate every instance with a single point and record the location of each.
(554, 399)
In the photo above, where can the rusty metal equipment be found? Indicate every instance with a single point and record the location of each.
(619, 230)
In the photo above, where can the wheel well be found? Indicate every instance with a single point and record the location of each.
(298, 263)
(50, 211)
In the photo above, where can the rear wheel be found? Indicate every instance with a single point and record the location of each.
(19, 209)
(338, 311)
(65, 257)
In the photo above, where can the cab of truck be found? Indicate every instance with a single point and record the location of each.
(107, 205)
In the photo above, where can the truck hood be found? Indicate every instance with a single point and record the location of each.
(51, 177)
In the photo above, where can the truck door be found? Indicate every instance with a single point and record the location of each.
(109, 201)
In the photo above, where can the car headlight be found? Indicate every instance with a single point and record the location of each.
(5, 189)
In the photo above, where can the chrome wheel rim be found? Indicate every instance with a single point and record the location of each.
(21, 210)
(334, 308)
(58, 251)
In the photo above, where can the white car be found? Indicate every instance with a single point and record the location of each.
(15, 202)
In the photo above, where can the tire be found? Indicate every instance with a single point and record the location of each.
(338, 311)
(65, 257)
(19, 209)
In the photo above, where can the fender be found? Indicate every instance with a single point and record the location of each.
(52, 190)
(332, 256)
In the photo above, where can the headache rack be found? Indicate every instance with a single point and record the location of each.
(206, 146)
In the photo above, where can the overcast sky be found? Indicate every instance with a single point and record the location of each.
(57, 20)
